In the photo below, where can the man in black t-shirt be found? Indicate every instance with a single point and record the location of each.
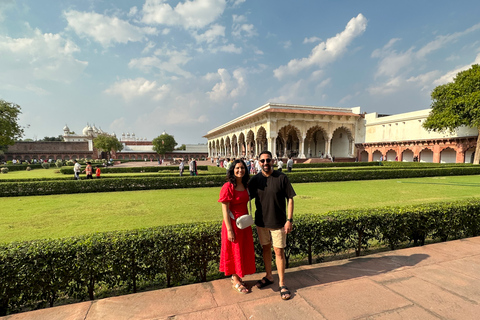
(273, 217)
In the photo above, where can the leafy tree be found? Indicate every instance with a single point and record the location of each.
(182, 147)
(59, 138)
(107, 143)
(457, 103)
(10, 131)
(164, 143)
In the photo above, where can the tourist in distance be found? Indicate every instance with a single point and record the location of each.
(191, 167)
(271, 190)
(89, 170)
(181, 167)
(237, 256)
(98, 172)
(289, 164)
(279, 165)
(76, 169)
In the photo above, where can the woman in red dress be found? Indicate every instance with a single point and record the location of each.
(237, 257)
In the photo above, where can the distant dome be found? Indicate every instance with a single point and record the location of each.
(66, 128)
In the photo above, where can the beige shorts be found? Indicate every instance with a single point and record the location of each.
(277, 237)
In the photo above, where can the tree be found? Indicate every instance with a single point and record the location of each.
(457, 103)
(107, 143)
(59, 138)
(164, 143)
(182, 147)
(10, 131)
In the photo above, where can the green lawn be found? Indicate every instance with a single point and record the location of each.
(28, 218)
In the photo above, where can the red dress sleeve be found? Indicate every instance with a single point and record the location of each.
(226, 193)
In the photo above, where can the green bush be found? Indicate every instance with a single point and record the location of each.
(58, 163)
(45, 165)
(37, 274)
(66, 186)
(4, 170)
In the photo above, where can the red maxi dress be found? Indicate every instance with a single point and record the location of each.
(236, 257)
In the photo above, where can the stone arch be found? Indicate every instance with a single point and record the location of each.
(469, 154)
(288, 141)
(448, 155)
(228, 147)
(341, 144)
(234, 146)
(316, 142)
(250, 143)
(407, 155)
(242, 144)
(363, 156)
(391, 155)
(262, 142)
(426, 155)
(377, 155)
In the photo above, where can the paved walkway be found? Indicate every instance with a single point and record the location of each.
(437, 281)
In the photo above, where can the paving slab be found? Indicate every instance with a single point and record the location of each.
(154, 304)
(435, 299)
(352, 299)
(231, 312)
(76, 311)
(273, 308)
(409, 312)
(463, 285)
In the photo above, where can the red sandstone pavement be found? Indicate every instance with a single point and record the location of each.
(437, 281)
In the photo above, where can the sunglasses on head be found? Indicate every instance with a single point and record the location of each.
(267, 160)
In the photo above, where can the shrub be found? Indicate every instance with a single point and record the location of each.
(70, 163)
(28, 169)
(35, 274)
(45, 165)
(59, 163)
(4, 170)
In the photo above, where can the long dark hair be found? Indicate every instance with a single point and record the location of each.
(231, 176)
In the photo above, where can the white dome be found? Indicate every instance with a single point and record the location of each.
(66, 129)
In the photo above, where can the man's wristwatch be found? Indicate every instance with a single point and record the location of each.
(291, 220)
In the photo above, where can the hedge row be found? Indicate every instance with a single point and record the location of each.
(69, 170)
(336, 164)
(9, 189)
(36, 274)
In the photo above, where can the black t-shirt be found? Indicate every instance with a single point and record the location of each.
(270, 195)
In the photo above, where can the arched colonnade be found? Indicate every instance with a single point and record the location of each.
(433, 151)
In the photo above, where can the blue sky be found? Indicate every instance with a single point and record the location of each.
(187, 67)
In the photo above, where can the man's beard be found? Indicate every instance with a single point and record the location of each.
(266, 166)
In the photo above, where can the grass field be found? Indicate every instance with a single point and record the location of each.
(28, 218)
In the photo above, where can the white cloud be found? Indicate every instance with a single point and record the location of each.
(211, 35)
(287, 44)
(311, 40)
(39, 56)
(106, 30)
(4, 6)
(229, 86)
(150, 45)
(133, 11)
(325, 52)
(231, 49)
(242, 29)
(133, 88)
(237, 3)
(389, 87)
(171, 62)
(192, 14)
(450, 75)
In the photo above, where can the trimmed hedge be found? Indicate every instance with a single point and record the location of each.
(69, 170)
(10, 189)
(37, 274)
(337, 164)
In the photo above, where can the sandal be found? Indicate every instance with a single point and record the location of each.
(263, 283)
(285, 295)
(240, 288)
